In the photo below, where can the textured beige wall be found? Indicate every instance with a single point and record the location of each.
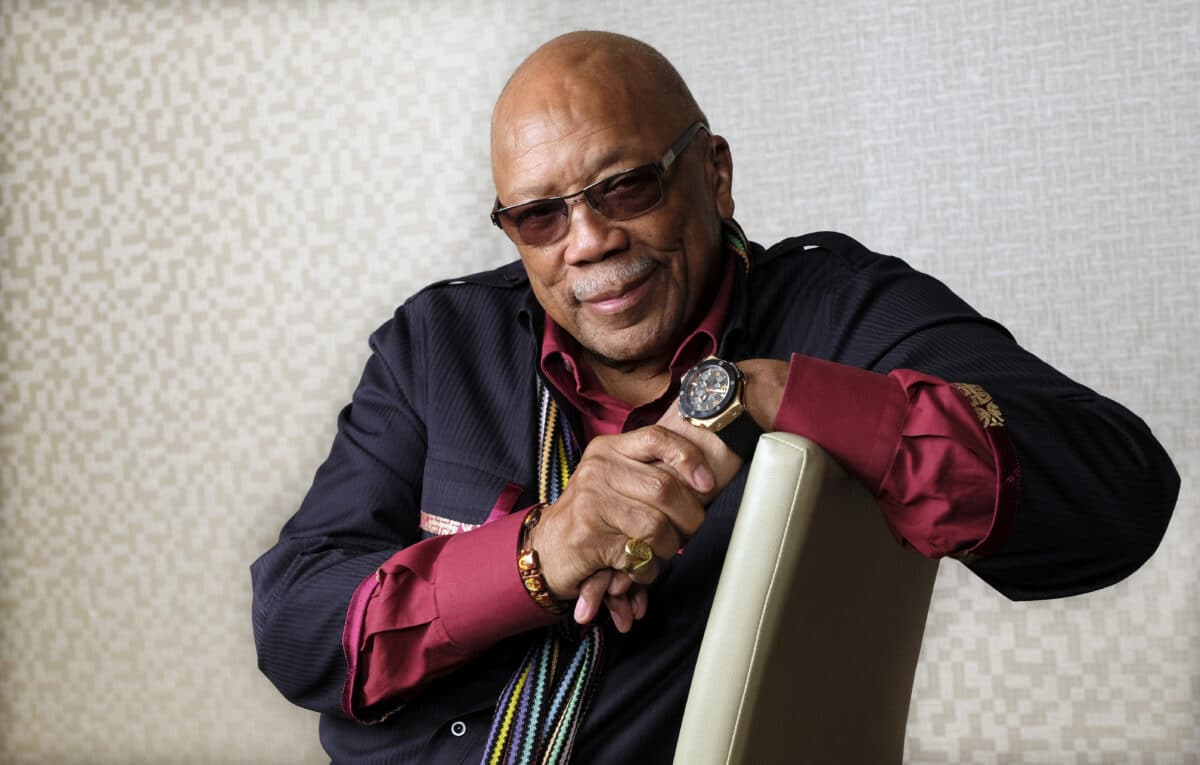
(208, 205)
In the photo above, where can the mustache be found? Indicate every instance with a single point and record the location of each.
(610, 278)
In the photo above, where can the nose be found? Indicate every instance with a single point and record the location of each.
(591, 236)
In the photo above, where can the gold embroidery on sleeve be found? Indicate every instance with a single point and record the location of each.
(986, 409)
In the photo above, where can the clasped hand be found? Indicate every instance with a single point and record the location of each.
(651, 484)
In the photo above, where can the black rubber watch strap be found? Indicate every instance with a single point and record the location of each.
(741, 435)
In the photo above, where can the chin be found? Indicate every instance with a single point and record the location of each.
(630, 346)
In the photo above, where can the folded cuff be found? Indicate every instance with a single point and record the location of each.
(476, 575)
(854, 414)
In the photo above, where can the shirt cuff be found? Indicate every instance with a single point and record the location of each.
(854, 414)
(480, 596)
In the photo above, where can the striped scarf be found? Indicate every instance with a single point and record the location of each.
(542, 706)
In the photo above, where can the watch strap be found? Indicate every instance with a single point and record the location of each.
(741, 435)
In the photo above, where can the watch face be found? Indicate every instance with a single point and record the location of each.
(706, 390)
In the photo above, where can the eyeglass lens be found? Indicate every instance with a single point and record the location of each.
(623, 196)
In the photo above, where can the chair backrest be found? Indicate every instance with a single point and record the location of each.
(814, 634)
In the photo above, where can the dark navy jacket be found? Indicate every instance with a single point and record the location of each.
(445, 417)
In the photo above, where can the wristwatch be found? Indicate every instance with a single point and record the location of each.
(711, 396)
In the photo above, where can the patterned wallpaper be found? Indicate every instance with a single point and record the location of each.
(207, 206)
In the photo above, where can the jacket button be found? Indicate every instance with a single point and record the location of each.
(458, 728)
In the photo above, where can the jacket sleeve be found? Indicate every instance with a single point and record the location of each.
(350, 580)
(362, 508)
(1096, 489)
(431, 608)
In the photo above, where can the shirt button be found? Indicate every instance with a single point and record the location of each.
(458, 728)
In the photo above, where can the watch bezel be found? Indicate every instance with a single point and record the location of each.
(709, 417)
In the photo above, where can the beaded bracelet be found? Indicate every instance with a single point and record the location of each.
(530, 567)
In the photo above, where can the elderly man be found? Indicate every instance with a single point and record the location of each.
(445, 582)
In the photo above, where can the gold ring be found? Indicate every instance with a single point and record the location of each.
(637, 554)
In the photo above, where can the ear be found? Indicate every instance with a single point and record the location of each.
(720, 168)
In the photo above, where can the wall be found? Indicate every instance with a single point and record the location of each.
(207, 206)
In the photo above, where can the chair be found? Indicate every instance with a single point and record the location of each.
(813, 638)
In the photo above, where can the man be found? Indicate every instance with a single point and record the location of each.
(418, 586)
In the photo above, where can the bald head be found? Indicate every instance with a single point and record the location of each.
(603, 59)
(584, 80)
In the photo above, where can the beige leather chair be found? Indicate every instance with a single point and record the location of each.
(810, 649)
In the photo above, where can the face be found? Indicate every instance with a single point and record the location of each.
(626, 290)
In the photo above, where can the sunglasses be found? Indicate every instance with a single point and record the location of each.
(622, 196)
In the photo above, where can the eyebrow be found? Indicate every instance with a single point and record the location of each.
(606, 160)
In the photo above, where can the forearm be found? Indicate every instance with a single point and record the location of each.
(945, 482)
(431, 608)
(301, 590)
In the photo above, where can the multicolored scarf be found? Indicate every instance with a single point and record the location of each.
(541, 708)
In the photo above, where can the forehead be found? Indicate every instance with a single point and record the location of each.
(556, 132)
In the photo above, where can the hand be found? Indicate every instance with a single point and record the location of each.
(626, 601)
(625, 596)
(641, 484)
(765, 381)
(723, 461)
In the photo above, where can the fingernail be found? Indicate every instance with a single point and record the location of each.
(702, 478)
(580, 611)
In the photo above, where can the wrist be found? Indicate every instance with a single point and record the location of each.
(765, 380)
(529, 564)
(712, 395)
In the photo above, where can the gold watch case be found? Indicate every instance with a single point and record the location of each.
(710, 394)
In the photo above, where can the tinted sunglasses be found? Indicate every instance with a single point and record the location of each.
(622, 196)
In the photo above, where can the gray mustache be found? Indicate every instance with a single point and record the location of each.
(611, 277)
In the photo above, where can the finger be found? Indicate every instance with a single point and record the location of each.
(654, 504)
(620, 583)
(621, 611)
(591, 596)
(585, 611)
(639, 599)
(656, 443)
(644, 575)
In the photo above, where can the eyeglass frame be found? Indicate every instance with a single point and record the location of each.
(660, 168)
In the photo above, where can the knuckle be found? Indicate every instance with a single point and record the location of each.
(652, 435)
(586, 472)
(688, 451)
(684, 449)
(657, 486)
(614, 555)
(646, 574)
(656, 529)
(668, 542)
